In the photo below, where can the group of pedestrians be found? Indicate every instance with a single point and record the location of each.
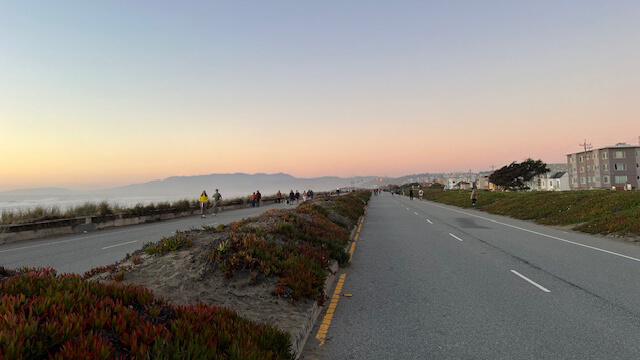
(295, 197)
(255, 199)
(204, 202)
(420, 194)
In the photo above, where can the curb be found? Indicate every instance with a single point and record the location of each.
(299, 340)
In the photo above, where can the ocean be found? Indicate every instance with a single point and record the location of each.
(63, 202)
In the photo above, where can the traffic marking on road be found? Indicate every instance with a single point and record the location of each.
(542, 234)
(66, 241)
(430, 222)
(531, 282)
(352, 249)
(415, 213)
(455, 237)
(355, 239)
(126, 243)
(326, 322)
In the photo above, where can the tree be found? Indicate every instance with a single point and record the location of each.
(516, 175)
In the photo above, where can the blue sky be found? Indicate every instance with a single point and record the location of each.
(385, 82)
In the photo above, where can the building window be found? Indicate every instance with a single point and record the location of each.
(597, 167)
(619, 154)
(605, 179)
(604, 155)
(558, 182)
(581, 168)
(621, 179)
(605, 167)
(583, 180)
(620, 166)
(581, 158)
(588, 167)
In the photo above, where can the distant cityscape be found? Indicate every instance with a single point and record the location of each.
(615, 167)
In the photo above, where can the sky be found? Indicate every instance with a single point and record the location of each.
(96, 94)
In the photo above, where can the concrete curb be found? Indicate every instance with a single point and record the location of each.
(299, 340)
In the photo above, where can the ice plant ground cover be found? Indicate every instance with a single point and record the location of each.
(48, 316)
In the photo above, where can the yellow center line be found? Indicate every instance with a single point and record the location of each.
(326, 321)
(353, 247)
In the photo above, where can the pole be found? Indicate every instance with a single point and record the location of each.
(586, 168)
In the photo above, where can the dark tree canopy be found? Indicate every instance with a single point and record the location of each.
(516, 175)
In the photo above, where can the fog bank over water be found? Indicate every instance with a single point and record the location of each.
(172, 189)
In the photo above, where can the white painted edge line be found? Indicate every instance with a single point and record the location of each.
(415, 213)
(541, 234)
(455, 237)
(65, 241)
(430, 222)
(532, 282)
(112, 246)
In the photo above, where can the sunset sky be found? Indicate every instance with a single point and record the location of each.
(101, 93)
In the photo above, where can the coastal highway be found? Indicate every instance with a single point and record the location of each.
(429, 281)
(82, 252)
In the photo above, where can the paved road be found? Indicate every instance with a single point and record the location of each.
(82, 252)
(431, 281)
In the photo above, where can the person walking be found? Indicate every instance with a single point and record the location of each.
(297, 197)
(258, 198)
(292, 197)
(420, 194)
(253, 199)
(411, 194)
(216, 202)
(278, 197)
(474, 196)
(304, 196)
(204, 200)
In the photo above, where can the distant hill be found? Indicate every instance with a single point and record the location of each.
(231, 185)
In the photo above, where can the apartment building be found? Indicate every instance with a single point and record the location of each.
(605, 167)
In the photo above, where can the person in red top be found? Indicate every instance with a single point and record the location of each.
(253, 200)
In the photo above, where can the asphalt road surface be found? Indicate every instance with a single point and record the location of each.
(430, 281)
(82, 252)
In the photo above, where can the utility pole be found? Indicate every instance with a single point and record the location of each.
(587, 146)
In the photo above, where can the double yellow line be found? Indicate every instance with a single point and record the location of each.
(326, 321)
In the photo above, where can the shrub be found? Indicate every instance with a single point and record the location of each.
(168, 244)
(294, 245)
